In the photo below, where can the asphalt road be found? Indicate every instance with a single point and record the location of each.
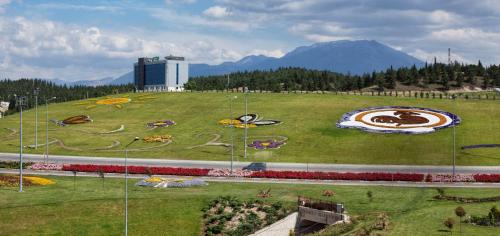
(273, 181)
(270, 166)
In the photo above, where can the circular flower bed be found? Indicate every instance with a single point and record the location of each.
(159, 124)
(398, 119)
(158, 138)
(266, 144)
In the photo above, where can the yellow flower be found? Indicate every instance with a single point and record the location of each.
(158, 138)
(229, 122)
(39, 180)
(112, 101)
(242, 126)
(154, 179)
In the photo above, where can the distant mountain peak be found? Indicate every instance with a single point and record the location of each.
(344, 56)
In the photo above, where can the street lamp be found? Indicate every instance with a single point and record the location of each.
(126, 184)
(20, 102)
(231, 98)
(36, 92)
(47, 128)
(246, 119)
(454, 135)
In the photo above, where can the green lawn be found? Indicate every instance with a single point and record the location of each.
(93, 210)
(308, 122)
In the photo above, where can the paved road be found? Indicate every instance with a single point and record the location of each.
(271, 166)
(274, 181)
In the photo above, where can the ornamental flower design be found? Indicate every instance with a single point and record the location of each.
(117, 102)
(266, 144)
(248, 121)
(159, 124)
(398, 119)
(158, 138)
(158, 182)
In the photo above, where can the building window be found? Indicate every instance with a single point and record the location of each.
(177, 73)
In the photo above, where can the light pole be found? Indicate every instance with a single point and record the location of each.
(36, 92)
(246, 119)
(232, 124)
(231, 98)
(454, 135)
(47, 128)
(20, 102)
(126, 184)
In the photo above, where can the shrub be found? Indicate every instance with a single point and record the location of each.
(449, 223)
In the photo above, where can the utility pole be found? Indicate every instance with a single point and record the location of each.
(47, 128)
(20, 102)
(246, 119)
(232, 124)
(454, 136)
(126, 184)
(449, 56)
(36, 92)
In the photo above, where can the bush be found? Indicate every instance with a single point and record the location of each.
(14, 164)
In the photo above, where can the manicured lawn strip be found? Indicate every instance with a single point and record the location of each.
(94, 210)
(308, 121)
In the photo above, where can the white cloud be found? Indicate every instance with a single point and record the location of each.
(317, 31)
(268, 53)
(441, 56)
(217, 12)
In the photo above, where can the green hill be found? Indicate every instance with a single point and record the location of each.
(308, 121)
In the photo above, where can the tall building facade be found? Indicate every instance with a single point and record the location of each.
(153, 74)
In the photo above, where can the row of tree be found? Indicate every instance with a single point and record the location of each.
(47, 89)
(436, 75)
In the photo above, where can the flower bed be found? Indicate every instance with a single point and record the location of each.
(158, 138)
(266, 144)
(380, 176)
(13, 181)
(158, 182)
(339, 176)
(449, 178)
(48, 166)
(227, 172)
(137, 170)
(493, 178)
(159, 124)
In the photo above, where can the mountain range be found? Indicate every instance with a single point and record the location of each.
(343, 56)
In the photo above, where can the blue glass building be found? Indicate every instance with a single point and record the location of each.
(153, 74)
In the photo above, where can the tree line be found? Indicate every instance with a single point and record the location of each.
(437, 75)
(48, 89)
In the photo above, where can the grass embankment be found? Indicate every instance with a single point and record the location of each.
(308, 123)
(92, 209)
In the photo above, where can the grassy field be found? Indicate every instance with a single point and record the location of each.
(308, 122)
(93, 210)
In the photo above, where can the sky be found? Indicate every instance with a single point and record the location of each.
(91, 39)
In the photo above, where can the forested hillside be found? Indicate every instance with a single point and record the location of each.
(435, 76)
(26, 87)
